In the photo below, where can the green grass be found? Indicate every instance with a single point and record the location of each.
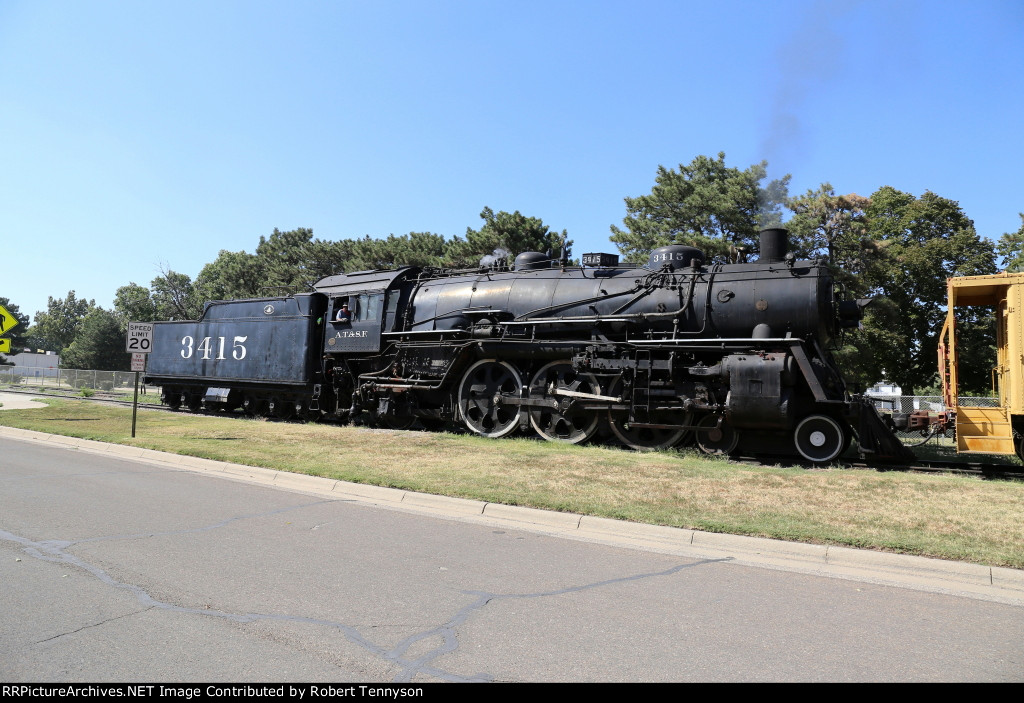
(945, 516)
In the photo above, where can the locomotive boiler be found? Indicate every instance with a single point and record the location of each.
(653, 355)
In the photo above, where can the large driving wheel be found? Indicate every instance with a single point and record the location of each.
(646, 439)
(819, 438)
(482, 394)
(566, 419)
(716, 435)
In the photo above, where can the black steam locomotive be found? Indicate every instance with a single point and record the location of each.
(729, 356)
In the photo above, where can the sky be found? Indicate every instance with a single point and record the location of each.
(137, 137)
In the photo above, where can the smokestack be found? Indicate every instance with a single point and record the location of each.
(774, 245)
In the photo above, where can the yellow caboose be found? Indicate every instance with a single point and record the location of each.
(988, 430)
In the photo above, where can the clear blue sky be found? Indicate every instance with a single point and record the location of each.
(135, 135)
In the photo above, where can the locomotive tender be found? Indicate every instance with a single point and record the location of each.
(731, 355)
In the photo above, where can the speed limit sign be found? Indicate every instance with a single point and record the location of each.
(140, 337)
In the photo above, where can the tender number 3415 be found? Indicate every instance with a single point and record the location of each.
(207, 347)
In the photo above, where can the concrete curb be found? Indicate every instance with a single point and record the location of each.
(442, 504)
(362, 492)
(532, 516)
(920, 573)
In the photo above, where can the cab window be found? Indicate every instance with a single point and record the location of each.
(337, 315)
(367, 307)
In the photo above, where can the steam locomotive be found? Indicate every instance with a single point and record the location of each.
(731, 356)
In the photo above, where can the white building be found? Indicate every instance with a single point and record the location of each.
(36, 364)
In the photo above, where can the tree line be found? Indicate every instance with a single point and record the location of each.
(895, 247)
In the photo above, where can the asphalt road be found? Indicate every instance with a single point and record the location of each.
(115, 569)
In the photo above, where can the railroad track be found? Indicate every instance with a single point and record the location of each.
(966, 468)
(985, 469)
(1009, 471)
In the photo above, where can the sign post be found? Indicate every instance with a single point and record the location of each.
(139, 343)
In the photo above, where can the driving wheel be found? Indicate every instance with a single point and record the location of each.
(646, 439)
(566, 419)
(483, 393)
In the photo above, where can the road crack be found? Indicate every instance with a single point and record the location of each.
(92, 625)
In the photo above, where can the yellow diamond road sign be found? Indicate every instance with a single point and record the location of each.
(7, 321)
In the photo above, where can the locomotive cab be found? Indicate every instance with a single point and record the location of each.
(370, 302)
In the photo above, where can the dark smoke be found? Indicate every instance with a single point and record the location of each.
(806, 62)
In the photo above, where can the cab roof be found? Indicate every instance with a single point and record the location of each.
(361, 281)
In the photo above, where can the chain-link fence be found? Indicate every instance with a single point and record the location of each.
(932, 403)
(72, 380)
